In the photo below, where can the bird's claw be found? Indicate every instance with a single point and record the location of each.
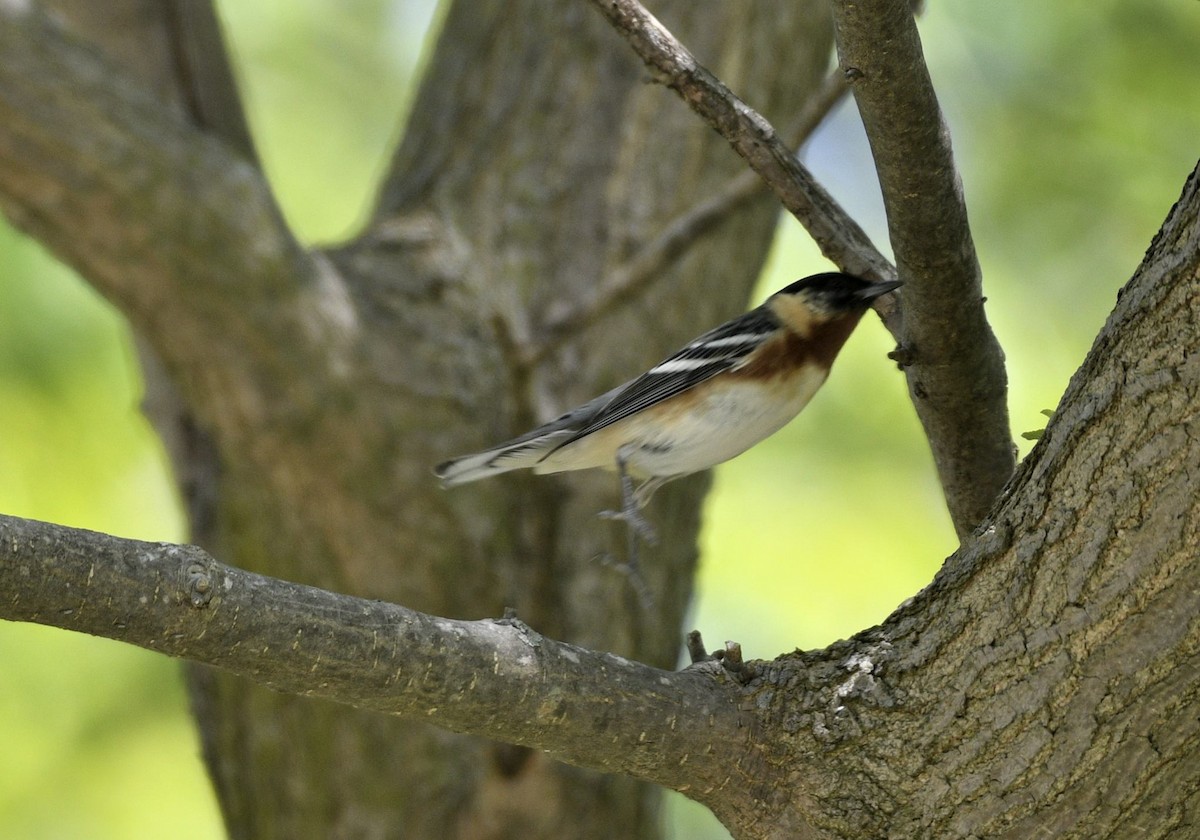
(633, 520)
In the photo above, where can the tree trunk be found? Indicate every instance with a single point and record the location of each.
(309, 393)
(1044, 683)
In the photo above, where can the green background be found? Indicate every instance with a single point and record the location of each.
(1075, 126)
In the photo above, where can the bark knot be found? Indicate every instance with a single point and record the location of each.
(865, 683)
(197, 576)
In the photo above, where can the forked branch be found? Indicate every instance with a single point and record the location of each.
(953, 363)
(751, 136)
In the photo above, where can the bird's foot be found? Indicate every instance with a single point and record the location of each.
(634, 521)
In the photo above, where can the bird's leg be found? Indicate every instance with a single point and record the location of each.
(632, 502)
(635, 525)
(636, 581)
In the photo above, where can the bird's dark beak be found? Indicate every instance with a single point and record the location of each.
(869, 293)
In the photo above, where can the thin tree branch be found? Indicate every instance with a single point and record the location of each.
(633, 276)
(955, 366)
(837, 235)
(499, 679)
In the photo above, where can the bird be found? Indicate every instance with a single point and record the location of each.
(708, 402)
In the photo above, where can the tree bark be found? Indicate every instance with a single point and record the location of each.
(535, 165)
(1046, 681)
(954, 364)
(498, 678)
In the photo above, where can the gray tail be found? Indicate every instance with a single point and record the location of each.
(514, 455)
(524, 451)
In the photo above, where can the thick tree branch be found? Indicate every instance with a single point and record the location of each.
(494, 678)
(176, 228)
(751, 136)
(956, 373)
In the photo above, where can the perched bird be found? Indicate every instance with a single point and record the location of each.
(714, 399)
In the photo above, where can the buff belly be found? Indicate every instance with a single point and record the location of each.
(694, 430)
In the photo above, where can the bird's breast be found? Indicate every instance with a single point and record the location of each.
(722, 421)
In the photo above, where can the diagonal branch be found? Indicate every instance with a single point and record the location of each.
(494, 678)
(956, 376)
(650, 262)
(837, 235)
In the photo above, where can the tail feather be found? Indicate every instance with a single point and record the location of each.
(524, 451)
(514, 455)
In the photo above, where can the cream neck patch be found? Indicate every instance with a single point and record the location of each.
(800, 316)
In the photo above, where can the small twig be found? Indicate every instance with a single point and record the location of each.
(732, 661)
(730, 657)
(633, 276)
(695, 648)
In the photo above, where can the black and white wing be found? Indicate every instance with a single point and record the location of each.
(718, 350)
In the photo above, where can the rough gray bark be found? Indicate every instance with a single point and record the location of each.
(328, 382)
(1045, 682)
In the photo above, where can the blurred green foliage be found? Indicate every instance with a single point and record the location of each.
(1075, 126)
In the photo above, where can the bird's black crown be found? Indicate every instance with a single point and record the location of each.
(834, 291)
